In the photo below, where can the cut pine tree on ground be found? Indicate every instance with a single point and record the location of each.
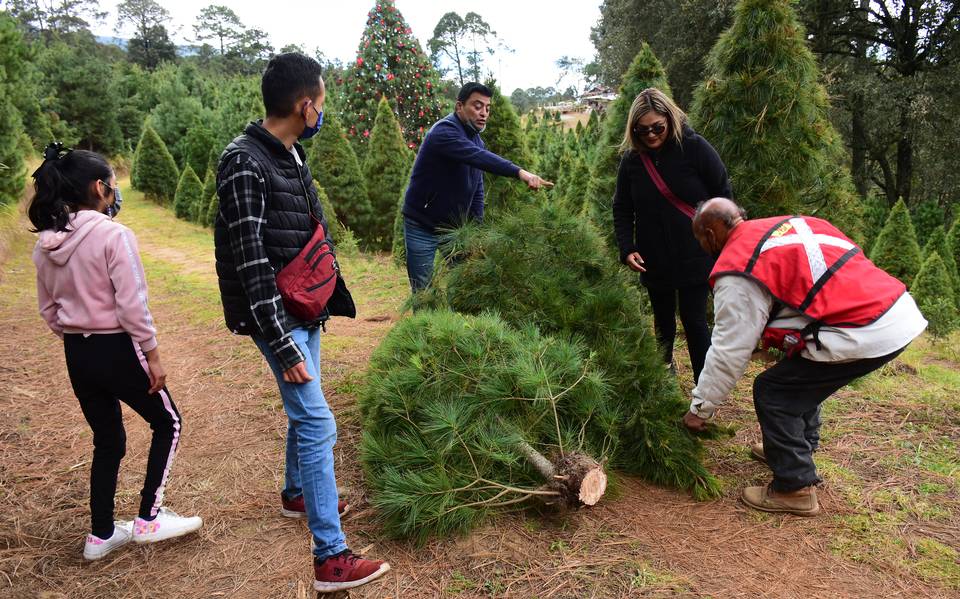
(889, 456)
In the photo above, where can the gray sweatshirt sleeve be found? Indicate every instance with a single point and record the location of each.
(741, 311)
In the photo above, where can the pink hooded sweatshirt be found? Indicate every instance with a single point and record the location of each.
(90, 280)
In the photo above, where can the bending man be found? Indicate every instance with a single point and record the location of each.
(802, 286)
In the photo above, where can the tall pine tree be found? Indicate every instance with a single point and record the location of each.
(935, 298)
(645, 71)
(334, 164)
(385, 170)
(896, 250)
(390, 63)
(763, 107)
(186, 203)
(154, 171)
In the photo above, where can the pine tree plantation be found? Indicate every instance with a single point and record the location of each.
(154, 172)
(196, 147)
(456, 407)
(933, 292)
(504, 137)
(896, 250)
(335, 166)
(546, 267)
(385, 171)
(189, 195)
(644, 71)
(765, 111)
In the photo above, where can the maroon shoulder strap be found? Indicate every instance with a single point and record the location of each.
(665, 191)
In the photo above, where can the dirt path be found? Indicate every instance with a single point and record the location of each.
(646, 542)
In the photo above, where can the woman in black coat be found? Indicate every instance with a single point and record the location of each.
(653, 226)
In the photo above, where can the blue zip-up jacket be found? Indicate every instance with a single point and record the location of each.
(446, 184)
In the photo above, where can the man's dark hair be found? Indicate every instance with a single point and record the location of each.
(473, 87)
(289, 77)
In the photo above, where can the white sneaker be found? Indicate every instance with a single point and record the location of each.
(95, 547)
(166, 525)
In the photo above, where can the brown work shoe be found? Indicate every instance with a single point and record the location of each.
(800, 503)
(756, 452)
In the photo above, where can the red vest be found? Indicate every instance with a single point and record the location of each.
(809, 265)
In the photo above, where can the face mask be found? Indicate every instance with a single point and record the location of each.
(114, 209)
(309, 131)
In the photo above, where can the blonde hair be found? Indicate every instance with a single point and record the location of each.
(652, 100)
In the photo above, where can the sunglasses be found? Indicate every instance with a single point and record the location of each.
(656, 129)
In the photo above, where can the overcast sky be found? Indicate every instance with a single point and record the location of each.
(539, 31)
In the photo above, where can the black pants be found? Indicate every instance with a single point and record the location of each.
(693, 316)
(105, 370)
(787, 399)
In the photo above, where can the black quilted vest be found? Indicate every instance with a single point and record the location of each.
(289, 188)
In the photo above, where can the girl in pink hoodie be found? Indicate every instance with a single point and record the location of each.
(92, 294)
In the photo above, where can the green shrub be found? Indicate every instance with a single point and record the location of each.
(154, 172)
(385, 171)
(896, 250)
(335, 166)
(189, 196)
(937, 243)
(933, 291)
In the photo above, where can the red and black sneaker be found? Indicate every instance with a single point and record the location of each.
(294, 508)
(345, 571)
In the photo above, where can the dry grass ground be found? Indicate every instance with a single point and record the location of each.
(891, 522)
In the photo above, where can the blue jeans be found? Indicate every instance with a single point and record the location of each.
(311, 435)
(421, 244)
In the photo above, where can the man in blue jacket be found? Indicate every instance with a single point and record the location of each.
(446, 184)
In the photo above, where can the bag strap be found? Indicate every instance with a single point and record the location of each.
(665, 191)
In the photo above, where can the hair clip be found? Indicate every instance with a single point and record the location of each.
(55, 151)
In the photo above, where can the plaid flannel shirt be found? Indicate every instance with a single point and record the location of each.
(243, 205)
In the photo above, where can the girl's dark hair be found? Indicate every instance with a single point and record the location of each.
(62, 185)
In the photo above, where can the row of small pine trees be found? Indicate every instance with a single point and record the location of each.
(931, 273)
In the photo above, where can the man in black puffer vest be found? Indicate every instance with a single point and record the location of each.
(268, 207)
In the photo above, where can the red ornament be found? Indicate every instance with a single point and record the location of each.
(417, 74)
(421, 115)
(366, 133)
(429, 85)
(410, 145)
(389, 76)
(378, 67)
(359, 61)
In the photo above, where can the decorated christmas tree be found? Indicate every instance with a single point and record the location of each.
(386, 168)
(644, 71)
(764, 109)
(391, 63)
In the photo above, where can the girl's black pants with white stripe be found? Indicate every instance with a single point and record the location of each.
(106, 369)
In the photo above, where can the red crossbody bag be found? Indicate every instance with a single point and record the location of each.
(308, 281)
(665, 191)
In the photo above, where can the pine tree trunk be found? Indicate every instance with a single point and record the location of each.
(578, 478)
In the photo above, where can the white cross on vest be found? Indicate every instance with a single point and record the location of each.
(811, 242)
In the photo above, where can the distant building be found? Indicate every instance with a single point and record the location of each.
(598, 97)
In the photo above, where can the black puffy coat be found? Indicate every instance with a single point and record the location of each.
(287, 230)
(646, 222)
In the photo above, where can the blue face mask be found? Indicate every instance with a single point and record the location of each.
(114, 209)
(309, 131)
